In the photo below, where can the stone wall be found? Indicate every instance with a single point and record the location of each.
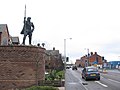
(21, 66)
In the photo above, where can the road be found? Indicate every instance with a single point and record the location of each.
(109, 81)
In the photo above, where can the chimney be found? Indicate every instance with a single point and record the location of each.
(53, 48)
(91, 53)
(95, 52)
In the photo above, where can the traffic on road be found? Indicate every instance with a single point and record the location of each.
(107, 81)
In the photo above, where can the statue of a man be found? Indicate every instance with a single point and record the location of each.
(28, 29)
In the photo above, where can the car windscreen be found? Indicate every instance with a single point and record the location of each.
(92, 70)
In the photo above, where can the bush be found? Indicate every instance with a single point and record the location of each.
(42, 88)
(60, 75)
(55, 75)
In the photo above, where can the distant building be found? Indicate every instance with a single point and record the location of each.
(4, 34)
(90, 59)
(15, 40)
(78, 62)
(5, 38)
(114, 64)
(53, 60)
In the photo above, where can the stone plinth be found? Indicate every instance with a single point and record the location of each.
(21, 66)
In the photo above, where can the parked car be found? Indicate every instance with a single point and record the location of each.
(90, 73)
(74, 67)
(68, 67)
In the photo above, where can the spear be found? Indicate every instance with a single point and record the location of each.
(24, 27)
(25, 11)
(25, 18)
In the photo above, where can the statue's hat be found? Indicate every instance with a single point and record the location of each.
(29, 18)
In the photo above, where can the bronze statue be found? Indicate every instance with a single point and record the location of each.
(28, 29)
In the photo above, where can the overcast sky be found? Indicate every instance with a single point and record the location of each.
(92, 24)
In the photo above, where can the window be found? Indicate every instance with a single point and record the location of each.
(92, 69)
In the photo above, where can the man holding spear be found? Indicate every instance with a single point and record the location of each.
(28, 28)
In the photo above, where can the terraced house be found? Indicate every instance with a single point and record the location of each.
(90, 59)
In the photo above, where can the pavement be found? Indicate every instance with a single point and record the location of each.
(109, 70)
(61, 88)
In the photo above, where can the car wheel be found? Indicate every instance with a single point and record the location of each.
(85, 79)
(98, 78)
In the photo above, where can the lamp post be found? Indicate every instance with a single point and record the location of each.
(65, 58)
(88, 57)
(87, 64)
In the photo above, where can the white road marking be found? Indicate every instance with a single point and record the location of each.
(72, 83)
(101, 84)
(114, 80)
(84, 87)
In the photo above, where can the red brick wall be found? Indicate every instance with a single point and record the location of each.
(93, 58)
(19, 65)
(78, 62)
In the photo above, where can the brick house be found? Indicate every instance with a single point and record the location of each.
(95, 58)
(78, 62)
(5, 38)
(90, 59)
(53, 60)
(4, 34)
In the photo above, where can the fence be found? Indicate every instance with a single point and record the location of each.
(55, 83)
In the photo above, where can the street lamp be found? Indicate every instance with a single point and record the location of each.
(87, 64)
(65, 53)
(65, 58)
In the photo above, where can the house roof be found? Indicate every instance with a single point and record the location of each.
(52, 52)
(15, 39)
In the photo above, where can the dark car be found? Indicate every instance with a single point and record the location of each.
(68, 67)
(74, 67)
(90, 73)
